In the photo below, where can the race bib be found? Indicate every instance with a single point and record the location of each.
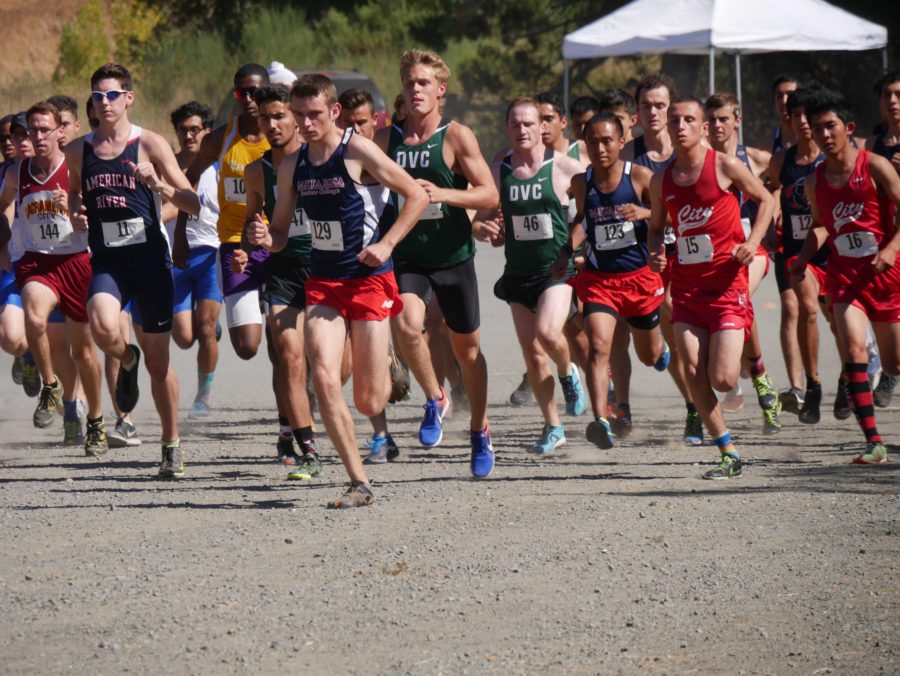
(746, 226)
(695, 249)
(124, 233)
(235, 191)
(669, 235)
(800, 225)
(532, 227)
(432, 212)
(51, 233)
(299, 225)
(856, 244)
(613, 236)
(326, 235)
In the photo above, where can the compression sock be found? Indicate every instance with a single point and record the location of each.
(204, 384)
(757, 366)
(860, 394)
(725, 446)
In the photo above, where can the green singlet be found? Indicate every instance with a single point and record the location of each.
(534, 219)
(299, 239)
(573, 150)
(443, 236)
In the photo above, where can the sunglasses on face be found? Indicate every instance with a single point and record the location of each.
(110, 95)
(244, 92)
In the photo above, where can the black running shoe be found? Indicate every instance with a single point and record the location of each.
(885, 390)
(127, 384)
(842, 407)
(812, 400)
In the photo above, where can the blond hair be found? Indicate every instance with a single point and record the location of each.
(424, 57)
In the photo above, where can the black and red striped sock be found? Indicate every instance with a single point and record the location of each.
(757, 366)
(860, 394)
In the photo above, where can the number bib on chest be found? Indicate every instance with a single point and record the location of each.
(532, 227)
(54, 232)
(326, 235)
(613, 236)
(234, 189)
(695, 249)
(124, 233)
(299, 224)
(432, 212)
(856, 244)
(800, 225)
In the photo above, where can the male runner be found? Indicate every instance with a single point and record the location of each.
(887, 144)
(198, 296)
(234, 146)
(358, 112)
(533, 182)
(553, 116)
(351, 289)
(788, 171)
(54, 271)
(615, 281)
(783, 137)
(437, 257)
(723, 114)
(286, 274)
(711, 312)
(68, 112)
(582, 110)
(117, 177)
(621, 104)
(653, 149)
(851, 194)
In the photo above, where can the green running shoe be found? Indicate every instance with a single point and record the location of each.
(729, 467)
(875, 454)
(72, 435)
(18, 370)
(765, 393)
(95, 443)
(172, 464)
(310, 467)
(31, 379)
(49, 403)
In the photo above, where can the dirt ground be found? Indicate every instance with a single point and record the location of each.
(589, 561)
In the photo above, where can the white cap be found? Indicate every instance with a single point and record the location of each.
(278, 74)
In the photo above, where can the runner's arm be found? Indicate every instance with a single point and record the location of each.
(487, 225)
(171, 183)
(887, 180)
(816, 236)
(656, 233)
(467, 157)
(576, 232)
(751, 186)
(77, 210)
(274, 237)
(7, 197)
(255, 186)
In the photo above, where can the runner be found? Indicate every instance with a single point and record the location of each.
(711, 311)
(851, 194)
(234, 146)
(621, 104)
(114, 194)
(723, 114)
(582, 110)
(358, 112)
(654, 150)
(533, 183)
(68, 112)
(615, 281)
(788, 171)
(887, 144)
(54, 271)
(198, 296)
(351, 289)
(783, 137)
(553, 115)
(286, 274)
(437, 256)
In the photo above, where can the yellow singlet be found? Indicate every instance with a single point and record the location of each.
(235, 156)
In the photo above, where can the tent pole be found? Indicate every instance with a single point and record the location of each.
(566, 84)
(712, 70)
(737, 78)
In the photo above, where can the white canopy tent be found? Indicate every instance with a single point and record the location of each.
(702, 27)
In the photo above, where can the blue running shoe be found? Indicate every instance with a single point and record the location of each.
(663, 362)
(552, 436)
(431, 431)
(382, 450)
(199, 409)
(600, 434)
(573, 392)
(482, 462)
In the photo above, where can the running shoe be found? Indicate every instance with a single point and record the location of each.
(285, 448)
(600, 434)
(18, 370)
(358, 494)
(693, 429)
(573, 392)
(552, 436)
(127, 391)
(431, 431)
(72, 434)
(31, 379)
(48, 404)
(874, 454)
(199, 410)
(842, 407)
(172, 464)
(381, 450)
(621, 424)
(791, 400)
(734, 399)
(663, 362)
(95, 442)
(885, 390)
(810, 412)
(309, 468)
(769, 403)
(399, 376)
(123, 434)
(522, 395)
(482, 461)
(729, 467)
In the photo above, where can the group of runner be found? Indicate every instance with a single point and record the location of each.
(344, 242)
